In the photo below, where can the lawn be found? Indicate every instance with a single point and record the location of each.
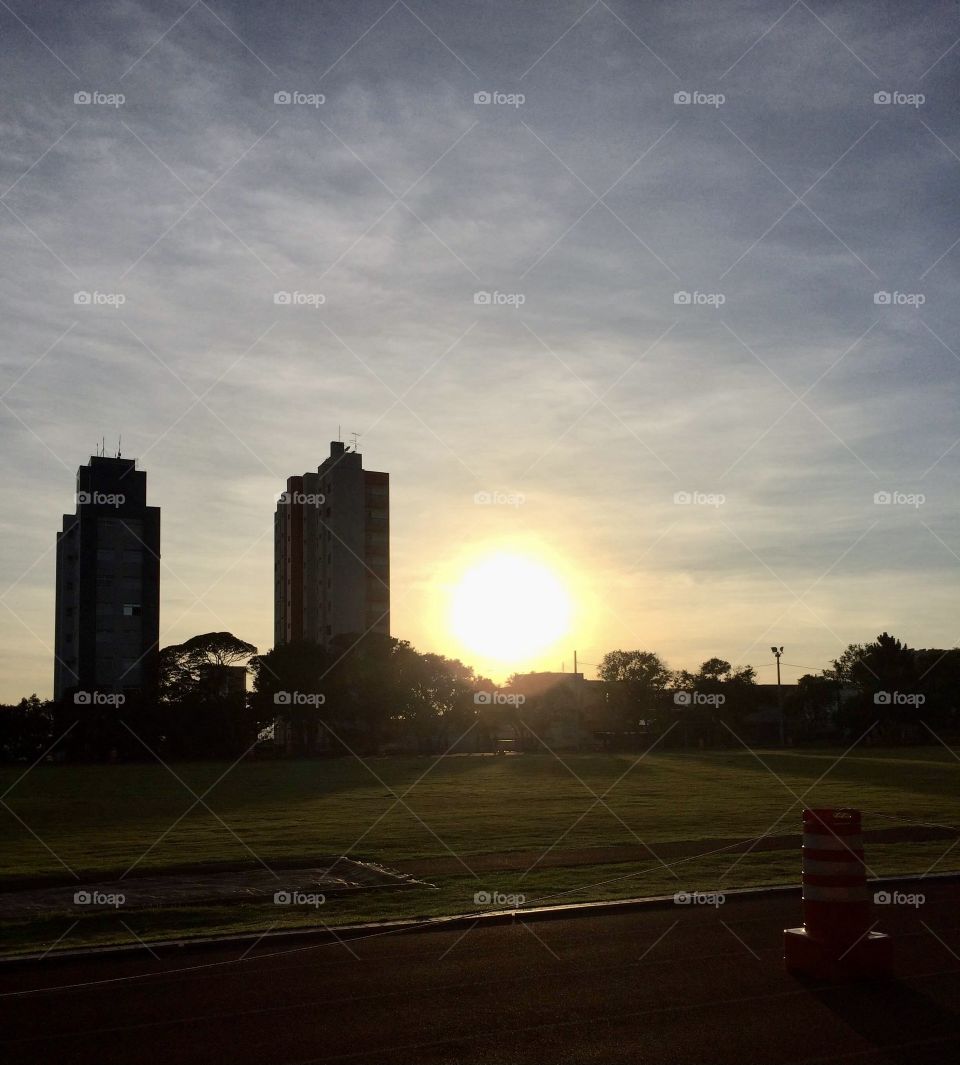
(488, 813)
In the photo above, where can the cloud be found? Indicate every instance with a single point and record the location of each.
(397, 199)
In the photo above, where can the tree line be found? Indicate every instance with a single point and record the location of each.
(882, 690)
(377, 694)
(357, 694)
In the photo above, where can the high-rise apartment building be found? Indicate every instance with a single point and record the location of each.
(108, 583)
(332, 552)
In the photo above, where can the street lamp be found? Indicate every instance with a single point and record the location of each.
(777, 652)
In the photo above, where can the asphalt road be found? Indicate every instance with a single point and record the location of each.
(665, 985)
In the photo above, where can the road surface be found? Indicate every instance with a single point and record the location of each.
(671, 984)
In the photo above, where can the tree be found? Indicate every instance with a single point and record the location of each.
(718, 698)
(26, 730)
(204, 712)
(292, 684)
(187, 666)
(938, 677)
(436, 700)
(635, 683)
(884, 672)
(813, 707)
(843, 667)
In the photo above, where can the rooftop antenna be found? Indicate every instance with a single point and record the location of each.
(119, 442)
(354, 435)
(339, 434)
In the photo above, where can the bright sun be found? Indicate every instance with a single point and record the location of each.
(509, 608)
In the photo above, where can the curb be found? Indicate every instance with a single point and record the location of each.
(428, 924)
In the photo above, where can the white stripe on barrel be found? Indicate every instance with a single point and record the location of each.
(818, 868)
(815, 842)
(813, 893)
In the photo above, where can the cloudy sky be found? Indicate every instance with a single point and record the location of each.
(690, 298)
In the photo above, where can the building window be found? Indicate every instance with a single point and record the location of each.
(131, 610)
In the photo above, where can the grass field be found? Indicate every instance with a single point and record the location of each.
(492, 814)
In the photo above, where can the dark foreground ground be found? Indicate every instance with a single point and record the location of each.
(671, 984)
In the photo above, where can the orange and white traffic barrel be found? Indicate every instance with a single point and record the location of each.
(836, 907)
(837, 936)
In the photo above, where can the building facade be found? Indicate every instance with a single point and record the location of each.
(332, 552)
(108, 583)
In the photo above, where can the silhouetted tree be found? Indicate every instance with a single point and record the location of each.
(635, 681)
(202, 714)
(938, 676)
(813, 710)
(281, 677)
(26, 730)
(718, 699)
(885, 674)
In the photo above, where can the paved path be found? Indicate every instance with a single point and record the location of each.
(333, 877)
(662, 985)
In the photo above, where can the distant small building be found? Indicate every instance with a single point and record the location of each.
(762, 724)
(225, 681)
(561, 710)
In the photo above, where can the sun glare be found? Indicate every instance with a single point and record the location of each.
(509, 608)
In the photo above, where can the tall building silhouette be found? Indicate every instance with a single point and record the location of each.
(332, 552)
(108, 583)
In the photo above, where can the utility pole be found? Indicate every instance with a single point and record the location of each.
(777, 652)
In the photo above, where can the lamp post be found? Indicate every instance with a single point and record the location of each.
(777, 652)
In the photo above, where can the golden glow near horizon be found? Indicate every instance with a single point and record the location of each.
(508, 609)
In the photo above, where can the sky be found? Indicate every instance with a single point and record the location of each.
(721, 244)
